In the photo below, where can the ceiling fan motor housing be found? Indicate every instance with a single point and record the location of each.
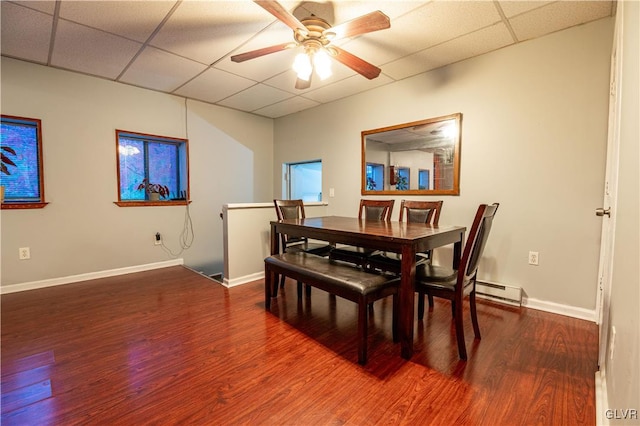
(314, 37)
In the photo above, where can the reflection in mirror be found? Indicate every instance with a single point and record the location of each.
(422, 157)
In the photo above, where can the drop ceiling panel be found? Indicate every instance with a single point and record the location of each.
(160, 70)
(557, 16)
(256, 97)
(133, 20)
(165, 45)
(206, 31)
(513, 8)
(25, 33)
(477, 43)
(43, 6)
(214, 85)
(263, 67)
(346, 87)
(91, 51)
(439, 21)
(289, 106)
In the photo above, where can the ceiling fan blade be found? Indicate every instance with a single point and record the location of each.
(277, 10)
(260, 52)
(370, 22)
(302, 84)
(358, 65)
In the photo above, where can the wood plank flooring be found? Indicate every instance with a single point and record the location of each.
(172, 347)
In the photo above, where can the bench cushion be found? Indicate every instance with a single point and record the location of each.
(331, 275)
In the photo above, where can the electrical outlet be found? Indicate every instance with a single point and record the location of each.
(157, 239)
(533, 258)
(24, 253)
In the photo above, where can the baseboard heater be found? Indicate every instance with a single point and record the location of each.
(499, 292)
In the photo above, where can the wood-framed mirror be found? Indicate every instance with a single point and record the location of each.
(417, 158)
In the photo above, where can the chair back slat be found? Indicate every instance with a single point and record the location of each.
(477, 239)
(376, 210)
(421, 211)
(289, 209)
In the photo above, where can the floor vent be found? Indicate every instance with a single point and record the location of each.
(499, 293)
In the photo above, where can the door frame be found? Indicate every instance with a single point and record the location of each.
(605, 268)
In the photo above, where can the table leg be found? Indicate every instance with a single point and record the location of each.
(407, 296)
(275, 241)
(457, 251)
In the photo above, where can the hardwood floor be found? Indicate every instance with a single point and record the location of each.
(170, 346)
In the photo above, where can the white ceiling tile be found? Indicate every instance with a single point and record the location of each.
(263, 67)
(346, 87)
(214, 85)
(557, 16)
(43, 6)
(160, 70)
(206, 31)
(110, 36)
(25, 33)
(477, 43)
(513, 8)
(255, 97)
(439, 21)
(134, 20)
(290, 106)
(91, 51)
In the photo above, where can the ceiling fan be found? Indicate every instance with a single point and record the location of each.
(316, 35)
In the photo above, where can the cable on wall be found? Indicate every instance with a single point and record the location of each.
(186, 235)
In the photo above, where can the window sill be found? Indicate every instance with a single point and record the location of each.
(22, 206)
(151, 203)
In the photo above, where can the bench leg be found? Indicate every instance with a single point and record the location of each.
(362, 331)
(268, 287)
(395, 318)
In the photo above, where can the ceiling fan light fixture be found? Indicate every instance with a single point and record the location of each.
(302, 66)
(322, 64)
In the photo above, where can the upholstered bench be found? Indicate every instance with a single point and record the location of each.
(339, 278)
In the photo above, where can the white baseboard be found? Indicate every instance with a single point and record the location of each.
(88, 276)
(556, 308)
(602, 404)
(243, 280)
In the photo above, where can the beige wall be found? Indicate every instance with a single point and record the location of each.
(81, 230)
(534, 134)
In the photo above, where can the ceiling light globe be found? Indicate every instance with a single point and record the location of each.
(322, 64)
(302, 66)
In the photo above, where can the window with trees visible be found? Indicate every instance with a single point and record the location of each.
(375, 177)
(21, 168)
(152, 170)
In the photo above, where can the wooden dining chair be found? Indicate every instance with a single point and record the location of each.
(456, 284)
(294, 209)
(379, 210)
(427, 212)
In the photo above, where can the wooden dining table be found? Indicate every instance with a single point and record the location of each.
(406, 238)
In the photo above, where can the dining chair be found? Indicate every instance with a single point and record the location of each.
(379, 210)
(456, 284)
(294, 209)
(427, 212)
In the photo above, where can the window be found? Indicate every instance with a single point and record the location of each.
(21, 172)
(401, 178)
(375, 177)
(304, 181)
(423, 179)
(152, 170)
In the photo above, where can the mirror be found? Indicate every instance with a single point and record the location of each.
(422, 157)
